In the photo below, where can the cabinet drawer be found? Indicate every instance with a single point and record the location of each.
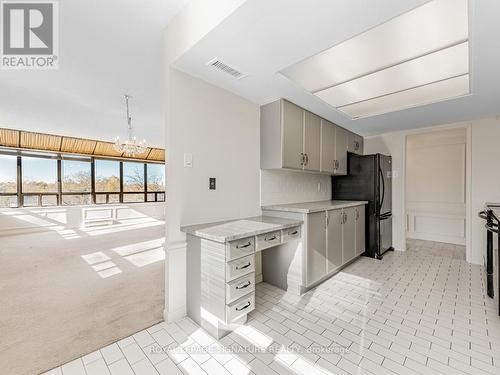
(268, 240)
(290, 234)
(240, 267)
(240, 248)
(240, 307)
(239, 287)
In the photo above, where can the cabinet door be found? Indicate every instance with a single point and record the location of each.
(341, 142)
(349, 234)
(316, 246)
(360, 229)
(312, 141)
(292, 118)
(334, 240)
(327, 146)
(355, 143)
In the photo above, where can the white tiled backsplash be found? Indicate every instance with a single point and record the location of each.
(280, 187)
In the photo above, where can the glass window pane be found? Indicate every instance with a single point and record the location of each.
(156, 177)
(49, 200)
(133, 198)
(161, 197)
(75, 176)
(8, 201)
(30, 200)
(75, 200)
(133, 177)
(39, 175)
(112, 198)
(8, 174)
(151, 197)
(107, 175)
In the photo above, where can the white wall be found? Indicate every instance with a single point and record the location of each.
(280, 187)
(222, 131)
(24, 220)
(483, 181)
(435, 186)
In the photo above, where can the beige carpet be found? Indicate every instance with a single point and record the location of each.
(61, 298)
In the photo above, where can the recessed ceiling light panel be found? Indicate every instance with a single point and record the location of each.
(424, 46)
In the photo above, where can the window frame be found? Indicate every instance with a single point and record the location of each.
(93, 193)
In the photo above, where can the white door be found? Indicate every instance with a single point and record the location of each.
(435, 186)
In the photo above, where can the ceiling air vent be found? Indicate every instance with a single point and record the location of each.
(219, 65)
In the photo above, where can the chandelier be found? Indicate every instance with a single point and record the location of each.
(131, 146)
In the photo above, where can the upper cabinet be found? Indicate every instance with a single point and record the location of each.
(355, 144)
(293, 138)
(292, 123)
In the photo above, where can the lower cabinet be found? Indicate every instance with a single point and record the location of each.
(316, 247)
(360, 229)
(349, 234)
(334, 238)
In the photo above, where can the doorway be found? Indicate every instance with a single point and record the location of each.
(436, 192)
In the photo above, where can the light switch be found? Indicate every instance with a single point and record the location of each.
(211, 183)
(395, 174)
(188, 160)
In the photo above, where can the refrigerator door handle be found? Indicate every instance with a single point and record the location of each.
(381, 176)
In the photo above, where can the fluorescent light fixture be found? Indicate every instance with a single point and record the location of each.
(431, 93)
(391, 63)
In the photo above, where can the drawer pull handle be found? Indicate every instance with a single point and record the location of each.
(243, 286)
(245, 245)
(293, 233)
(243, 267)
(270, 239)
(244, 307)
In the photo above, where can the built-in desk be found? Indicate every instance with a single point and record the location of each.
(221, 267)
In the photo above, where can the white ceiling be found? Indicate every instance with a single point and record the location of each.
(263, 37)
(107, 48)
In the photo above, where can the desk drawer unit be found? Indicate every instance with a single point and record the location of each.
(240, 307)
(240, 287)
(240, 267)
(267, 240)
(240, 248)
(290, 234)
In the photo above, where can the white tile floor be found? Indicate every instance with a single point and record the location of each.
(417, 312)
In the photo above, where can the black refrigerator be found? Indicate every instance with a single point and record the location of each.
(369, 178)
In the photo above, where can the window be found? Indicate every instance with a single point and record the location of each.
(50, 179)
(156, 177)
(107, 176)
(8, 174)
(76, 176)
(133, 177)
(39, 175)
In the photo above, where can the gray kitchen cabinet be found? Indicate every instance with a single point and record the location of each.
(355, 143)
(334, 239)
(360, 230)
(316, 246)
(327, 147)
(349, 234)
(341, 143)
(293, 135)
(312, 141)
(296, 139)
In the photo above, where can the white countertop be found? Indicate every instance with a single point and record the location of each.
(309, 207)
(236, 229)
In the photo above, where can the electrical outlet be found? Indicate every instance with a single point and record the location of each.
(211, 183)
